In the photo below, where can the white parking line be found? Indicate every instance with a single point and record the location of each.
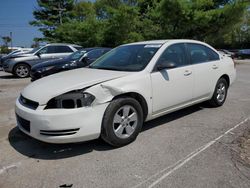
(172, 168)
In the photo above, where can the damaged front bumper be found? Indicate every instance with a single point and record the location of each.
(61, 125)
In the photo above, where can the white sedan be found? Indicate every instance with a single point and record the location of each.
(129, 85)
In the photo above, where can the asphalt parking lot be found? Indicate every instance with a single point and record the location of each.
(194, 147)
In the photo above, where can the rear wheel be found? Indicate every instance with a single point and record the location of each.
(122, 121)
(22, 70)
(220, 93)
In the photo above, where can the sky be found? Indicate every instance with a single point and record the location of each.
(15, 16)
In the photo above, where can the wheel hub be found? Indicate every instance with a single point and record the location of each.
(221, 92)
(125, 121)
(22, 71)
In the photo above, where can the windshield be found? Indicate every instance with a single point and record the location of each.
(34, 50)
(76, 55)
(127, 58)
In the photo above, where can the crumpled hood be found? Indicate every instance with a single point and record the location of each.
(49, 87)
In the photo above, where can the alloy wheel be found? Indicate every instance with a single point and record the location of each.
(22, 71)
(221, 92)
(125, 121)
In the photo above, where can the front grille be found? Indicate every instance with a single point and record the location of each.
(28, 103)
(25, 124)
(59, 132)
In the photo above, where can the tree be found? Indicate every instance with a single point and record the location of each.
(35, 43)
(114, 22)
(122, 25)
(50, 14)
(83, 29)
(6, 40)
(4, 48)
(239, 35)
(198, 19)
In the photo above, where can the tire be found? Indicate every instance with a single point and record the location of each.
(220, 94)
(122, 121)
(22, 70)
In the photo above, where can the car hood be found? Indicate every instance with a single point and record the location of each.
(60, 61)
(12, 56)
(21, 55)
(49, 87)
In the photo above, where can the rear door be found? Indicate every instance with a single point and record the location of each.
(61, 51)
(206, 69)
(172, 88)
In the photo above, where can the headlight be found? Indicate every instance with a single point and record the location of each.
(47, 68)
(72, 64)
(74, 99)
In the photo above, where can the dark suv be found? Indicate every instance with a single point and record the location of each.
(78, 59)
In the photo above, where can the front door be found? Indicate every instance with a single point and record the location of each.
(172, 88)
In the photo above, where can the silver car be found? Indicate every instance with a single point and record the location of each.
(21, 64)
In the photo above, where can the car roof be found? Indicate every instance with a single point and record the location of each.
(94, 48)
(149, 42)
(53, 44)
(165, 41)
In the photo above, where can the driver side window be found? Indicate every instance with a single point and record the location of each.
(176, 54)
(43, 50)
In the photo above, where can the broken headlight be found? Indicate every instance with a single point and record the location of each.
(75, 99)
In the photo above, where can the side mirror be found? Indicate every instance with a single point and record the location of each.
(166, 65)
(85, 59)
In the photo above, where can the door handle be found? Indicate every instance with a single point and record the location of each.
(187, 72)
(215, 67)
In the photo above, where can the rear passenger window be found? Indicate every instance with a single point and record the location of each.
(63, 49)
(175, 53)
(200, 53)
(55, 49)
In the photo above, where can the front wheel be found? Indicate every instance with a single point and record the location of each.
(22, 70)
(220, 93)
(122, 121)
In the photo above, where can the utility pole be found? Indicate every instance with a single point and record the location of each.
(11, 41)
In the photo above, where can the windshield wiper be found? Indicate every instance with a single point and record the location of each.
(106, 68)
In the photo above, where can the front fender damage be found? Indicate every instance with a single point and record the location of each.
(104, 93)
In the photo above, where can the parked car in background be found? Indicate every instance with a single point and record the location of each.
(13, 54)
(77, 59)
(226, 52)
(131, 84)
(21, 64)
(243, 54)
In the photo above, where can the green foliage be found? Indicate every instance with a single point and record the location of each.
(239, 34)
(121, 26)
(50, 14)
(114, 22)
(4, 50)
